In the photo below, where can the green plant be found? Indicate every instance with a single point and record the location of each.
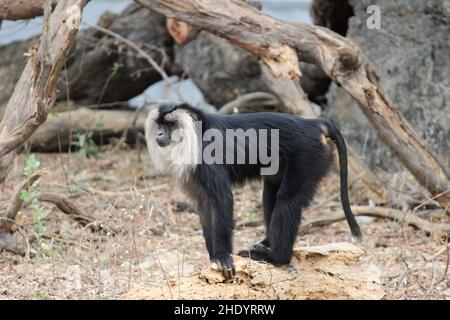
(38, 294)
(31, 164)
(85, 143)
(249, 216)
(32, 196)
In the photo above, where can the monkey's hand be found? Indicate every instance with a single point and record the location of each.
(225, 265)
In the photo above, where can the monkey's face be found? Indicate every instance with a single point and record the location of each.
(172, 140)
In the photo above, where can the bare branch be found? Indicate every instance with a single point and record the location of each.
(440, 229)
(34, 94)
(18, 10)
(8, 217)
(69, 208)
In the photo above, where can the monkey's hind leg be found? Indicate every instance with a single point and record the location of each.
(284, 222)
(268, 201)
(283, 231)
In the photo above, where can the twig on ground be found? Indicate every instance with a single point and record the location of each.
(380, 212)
(430, 200)
(118, 192)
(440, 229)
(8, 218)
(69, 208)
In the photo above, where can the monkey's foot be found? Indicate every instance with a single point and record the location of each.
(263, 245)
(225, 265)
(261, 253)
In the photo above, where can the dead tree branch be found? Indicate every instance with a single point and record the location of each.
(280, 44)
(9, 216)
(439, 229)
(293, 98)
(18, 10)
(69, 208)
(34, 94)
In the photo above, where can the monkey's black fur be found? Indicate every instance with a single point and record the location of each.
(305, 158)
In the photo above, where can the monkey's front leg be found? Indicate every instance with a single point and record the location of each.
(221, 202)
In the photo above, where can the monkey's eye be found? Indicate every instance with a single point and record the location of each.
(163, 135)
(162, 130)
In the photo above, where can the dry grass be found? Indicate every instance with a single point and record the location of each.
(159, 242)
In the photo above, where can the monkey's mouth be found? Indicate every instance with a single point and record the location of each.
(162, 144)
(165, 143)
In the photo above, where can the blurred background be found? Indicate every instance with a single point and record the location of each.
(293, 10)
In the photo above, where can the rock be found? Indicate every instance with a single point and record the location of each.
(332, 271)
(236, 71)
(412, 55)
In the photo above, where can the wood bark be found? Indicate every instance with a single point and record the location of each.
(12, 63)
(180, 31)
(274, 41)
(25, 9)
(34, 94)
(292, 96)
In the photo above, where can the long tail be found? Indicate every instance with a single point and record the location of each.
(337, 138)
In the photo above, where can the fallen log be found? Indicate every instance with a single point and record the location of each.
(57, 133)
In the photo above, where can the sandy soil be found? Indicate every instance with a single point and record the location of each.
(160, 237)
(332, 271)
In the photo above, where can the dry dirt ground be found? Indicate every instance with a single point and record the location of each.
(160, 239)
